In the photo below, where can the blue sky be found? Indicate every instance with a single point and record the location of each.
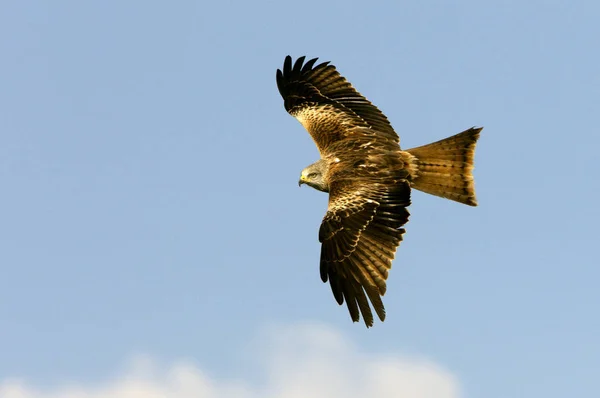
(149, 203)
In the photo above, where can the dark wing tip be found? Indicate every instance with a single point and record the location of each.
(287, 65)
(293, 70)
(279, 78)
(308, 66)
(298, 64)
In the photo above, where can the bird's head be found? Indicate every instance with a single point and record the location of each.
(314, 176)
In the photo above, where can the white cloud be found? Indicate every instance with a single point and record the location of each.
(298, 361)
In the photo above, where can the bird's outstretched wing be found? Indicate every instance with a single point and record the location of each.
(360, 234)
(327, 105)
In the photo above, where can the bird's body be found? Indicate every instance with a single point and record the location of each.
(368, 178)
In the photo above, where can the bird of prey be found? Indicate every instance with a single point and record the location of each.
(368, 178)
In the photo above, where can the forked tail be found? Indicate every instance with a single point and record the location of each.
(445, 168)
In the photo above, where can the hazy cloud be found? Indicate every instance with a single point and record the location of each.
(296, 361)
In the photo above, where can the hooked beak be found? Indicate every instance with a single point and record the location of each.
(301, 180)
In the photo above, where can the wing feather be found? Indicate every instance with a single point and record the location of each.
(326, 103)
(374, 296)
(361, 298)
(349, 292)
(360, 234)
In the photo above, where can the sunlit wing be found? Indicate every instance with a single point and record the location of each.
(327, 105)
(360, 234)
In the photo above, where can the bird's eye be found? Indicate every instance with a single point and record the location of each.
(312, 175)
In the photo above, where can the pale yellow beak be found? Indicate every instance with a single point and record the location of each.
(302, 180)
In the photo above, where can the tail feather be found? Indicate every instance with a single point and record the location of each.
(445, 168)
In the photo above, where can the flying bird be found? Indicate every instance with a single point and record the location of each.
(368, 178)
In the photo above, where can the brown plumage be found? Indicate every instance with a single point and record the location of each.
(368, 178)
